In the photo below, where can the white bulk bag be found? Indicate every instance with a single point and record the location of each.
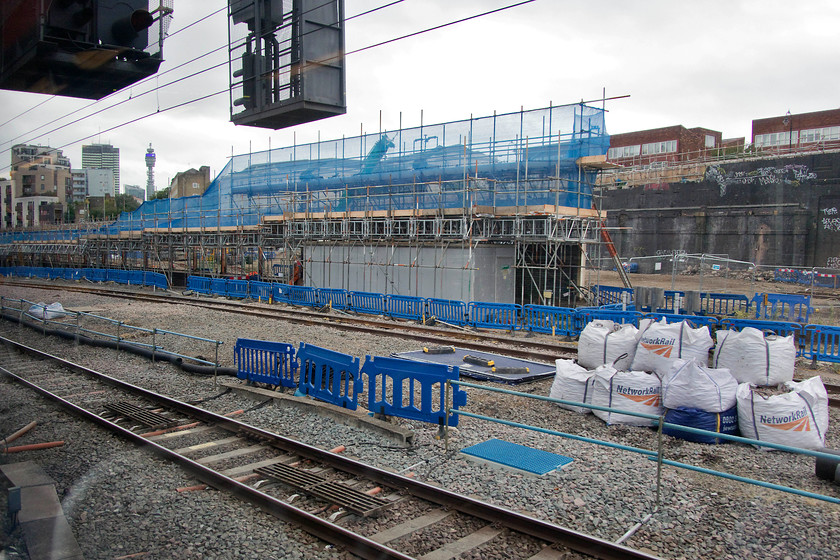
(754, 358)
(798, 418)
(635, 391)
(51, 311)
(601, 342)
(570, 384)
(689, 384)
(664, 342)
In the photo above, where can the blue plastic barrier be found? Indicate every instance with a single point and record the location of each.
(610, 294)
(558, 321)
(448, 310)
(405, 307)
(329, 376)
(280, 293)
(587, 315)
(787, 275)
(823, 280)
(335, 298)
(135, 278)
(261, 290)
(488, 315)
(218, 286)
(393, 386)
(237, 288)
(301, 295)
(696, 320)
(367, 302)
(724, 304)
(669, 300)
(55, 273)
(822, 343)
(157, 279)
(198, 284)
(784, 307)
(266, 362)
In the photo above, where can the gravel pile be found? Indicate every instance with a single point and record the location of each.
(118, 506)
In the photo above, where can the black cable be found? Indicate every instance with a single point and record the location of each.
(226, 90)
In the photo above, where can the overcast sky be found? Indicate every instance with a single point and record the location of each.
(716, 64)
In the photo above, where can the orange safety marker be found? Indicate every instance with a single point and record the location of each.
(33, 447)
(338, 449)
(174, 429)
(234, 413)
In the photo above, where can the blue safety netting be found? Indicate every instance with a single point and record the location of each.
(508, 160)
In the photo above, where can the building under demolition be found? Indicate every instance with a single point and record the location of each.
(498, 209)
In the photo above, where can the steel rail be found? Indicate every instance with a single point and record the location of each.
(360, 546)
(535, 350)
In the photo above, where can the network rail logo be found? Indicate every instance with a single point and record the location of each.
(648, 396)
(659, 346)
(795, 422)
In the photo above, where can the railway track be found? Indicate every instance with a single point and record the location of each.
(331, 496)
(516, 346)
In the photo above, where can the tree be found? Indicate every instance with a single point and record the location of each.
(163, 193)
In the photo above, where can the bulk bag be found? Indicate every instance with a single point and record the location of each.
(798, 418)
(688, 384)
(754, 358)
(602, 342)
(662, 343)
(570, 384)
(725, 422)
(634, 391)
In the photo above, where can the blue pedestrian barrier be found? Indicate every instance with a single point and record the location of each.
(262, 361)
(301, 295)
(724, 304)
(237, 288)
(623, 317)
(410, 308)
(135, 278)
(781, 328)
(335, 298)
(486, 315)
(782, 307)
(280, 293)
(557, 321)
(822, 343)
(156, 279)
(413, 390)
(199, 284)
(787, 275)
(610, 294)
(447, 310)
(329, 376)
(261, 290)
(218, 286)
(694, 320)
(367, 302)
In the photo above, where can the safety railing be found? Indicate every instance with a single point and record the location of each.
(611, 294)
(823, 343)
(658, 453)
(267, 362)
(410, 308)
(301, 295)
(261, 291)
(447, 311)
(119, 276)
(198, 284)
(239, 289)
(335, 298)
(782, 307)
(412, 390)
(367, 302)
(485, 315)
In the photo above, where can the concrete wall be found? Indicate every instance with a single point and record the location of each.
(772, 212)
(484, 274)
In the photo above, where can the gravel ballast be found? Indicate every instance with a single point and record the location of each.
(118, 505)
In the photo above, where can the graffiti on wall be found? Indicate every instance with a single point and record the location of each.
(788, 175)
(832, 262)
(830, 219)
(669, 252)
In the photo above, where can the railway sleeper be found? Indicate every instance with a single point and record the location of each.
(336, 493)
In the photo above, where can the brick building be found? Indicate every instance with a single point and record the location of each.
(796, 132)
(41, 187)
(190, 183)
(669, 144)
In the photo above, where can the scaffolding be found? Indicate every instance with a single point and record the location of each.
(436, 210)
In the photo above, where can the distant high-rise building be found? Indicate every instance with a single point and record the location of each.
(103, 156)
(136, 191)
(150, 173)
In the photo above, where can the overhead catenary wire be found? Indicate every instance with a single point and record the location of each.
(226, 90)
(155, 77)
